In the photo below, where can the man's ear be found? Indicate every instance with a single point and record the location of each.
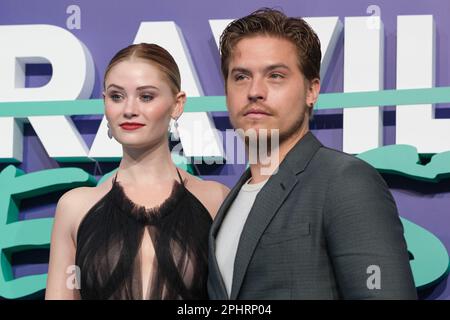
(312, 91)
(180, 100)
(104, 95)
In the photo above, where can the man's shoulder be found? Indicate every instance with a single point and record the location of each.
(341, 162)
(334, 155)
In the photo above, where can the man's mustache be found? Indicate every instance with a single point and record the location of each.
(256, 107)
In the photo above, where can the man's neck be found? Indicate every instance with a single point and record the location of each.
(263, 169)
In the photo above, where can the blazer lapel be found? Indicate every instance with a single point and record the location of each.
(267, 202)
(227, 203)
(215, 277)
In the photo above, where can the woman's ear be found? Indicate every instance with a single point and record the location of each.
(104, 95)
(180, 100)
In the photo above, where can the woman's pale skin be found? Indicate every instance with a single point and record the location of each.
(135, 91)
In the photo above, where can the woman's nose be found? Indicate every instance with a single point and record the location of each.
(131, 109)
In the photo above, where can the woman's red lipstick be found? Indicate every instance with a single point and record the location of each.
(131, 125)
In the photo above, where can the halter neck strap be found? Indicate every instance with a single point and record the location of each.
(179, 176)
(178, 172)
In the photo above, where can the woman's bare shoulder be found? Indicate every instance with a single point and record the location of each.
(83, 196)
(210, 193)
(76, 203)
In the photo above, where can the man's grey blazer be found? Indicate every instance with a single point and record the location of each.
(325, 226)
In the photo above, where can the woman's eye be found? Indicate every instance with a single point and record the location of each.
(115, 97)
(147, 97)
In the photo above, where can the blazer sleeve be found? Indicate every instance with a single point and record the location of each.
(364, 236)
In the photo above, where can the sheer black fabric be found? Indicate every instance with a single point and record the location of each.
(109, 247)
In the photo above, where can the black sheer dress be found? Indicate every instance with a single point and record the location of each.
(109, 241)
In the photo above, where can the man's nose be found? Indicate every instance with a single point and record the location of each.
(257, 90)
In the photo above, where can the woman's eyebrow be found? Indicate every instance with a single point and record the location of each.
(116, 86)
(147, 87)
(138, 88)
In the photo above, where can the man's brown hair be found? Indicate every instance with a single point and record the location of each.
(271, 22)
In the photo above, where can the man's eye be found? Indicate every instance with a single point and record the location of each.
(146, 97)
(276, 76)
(239, 77)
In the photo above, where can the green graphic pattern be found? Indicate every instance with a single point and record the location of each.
(405, 161)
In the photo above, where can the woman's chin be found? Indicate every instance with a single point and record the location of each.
(139, 143)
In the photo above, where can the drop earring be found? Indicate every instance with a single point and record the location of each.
(109, 131)
(175, 136)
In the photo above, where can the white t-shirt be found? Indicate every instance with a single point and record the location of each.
(227, 240)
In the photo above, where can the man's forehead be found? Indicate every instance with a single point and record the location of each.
(263, 47)
(246, 60)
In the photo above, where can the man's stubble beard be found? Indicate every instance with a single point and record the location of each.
(293, 130)
(264, 146)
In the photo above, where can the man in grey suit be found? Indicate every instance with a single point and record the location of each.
(323, 225)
